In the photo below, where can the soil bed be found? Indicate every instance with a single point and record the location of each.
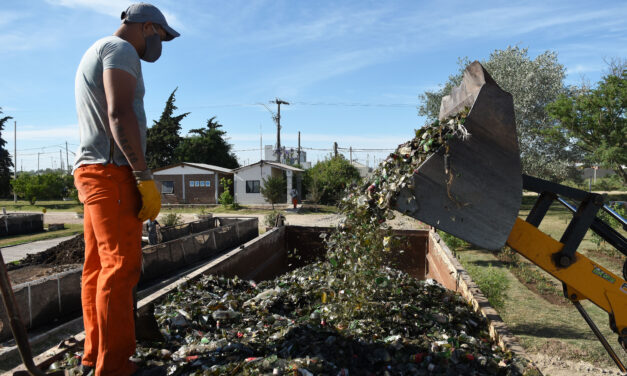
(64, 256)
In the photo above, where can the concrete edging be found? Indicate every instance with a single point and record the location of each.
(44, 300)
(453, 276)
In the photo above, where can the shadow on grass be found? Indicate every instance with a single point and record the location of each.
(548, 330)
(487, 263)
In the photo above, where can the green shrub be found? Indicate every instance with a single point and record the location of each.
(601, 244)
(454, 243)
(326, 181)
(172, 219)
(46, 186)
(226, 198)
(492, 282)
(274, 189)
(270, 218)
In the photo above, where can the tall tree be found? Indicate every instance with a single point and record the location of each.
(163, 137)
(207, 145)
(5, 161)
(274, 189)
(329, 178)
(596, 119)
(533, 83)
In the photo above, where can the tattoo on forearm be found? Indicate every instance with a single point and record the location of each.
(126, 147)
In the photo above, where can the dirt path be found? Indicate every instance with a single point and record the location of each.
(555, 366)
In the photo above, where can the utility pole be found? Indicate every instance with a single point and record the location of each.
(260, 143)
(351, 154)
(298, 147)
(38, 161)
(60, 160)
(67, 159)
(335, 149)
(14, 157)
(278, 102)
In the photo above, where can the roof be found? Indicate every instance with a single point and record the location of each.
(358, 165)
(203, 166)
(272, 163)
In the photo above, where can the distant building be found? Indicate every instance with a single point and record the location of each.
(288, 156)
(596, 173)
(191, 183)
(364, 171)
(248, 180)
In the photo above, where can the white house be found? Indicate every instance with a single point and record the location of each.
(248, 180)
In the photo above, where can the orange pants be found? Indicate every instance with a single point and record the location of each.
(112, 265)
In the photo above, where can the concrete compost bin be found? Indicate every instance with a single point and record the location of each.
(46, 300)
(425, 256)
(21, 223)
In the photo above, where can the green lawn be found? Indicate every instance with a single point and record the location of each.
(25, 206)
(552, 327)
(70, 229)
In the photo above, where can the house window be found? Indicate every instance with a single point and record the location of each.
(208, 183)
(252, 186)
(202, 183)
(167, 186)
(191, 183)
(197, 183)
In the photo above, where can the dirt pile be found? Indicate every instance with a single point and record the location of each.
(71, 251)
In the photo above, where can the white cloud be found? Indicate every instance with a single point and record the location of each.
(31, 133)
(580, 68)
(8, 17)
(107, 7)
(111, 8)
(20, 41)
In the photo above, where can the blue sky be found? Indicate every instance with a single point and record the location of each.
(352, 70)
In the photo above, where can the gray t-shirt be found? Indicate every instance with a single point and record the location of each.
(91, 103)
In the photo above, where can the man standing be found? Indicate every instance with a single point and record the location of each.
(294, 194)
(114, 182)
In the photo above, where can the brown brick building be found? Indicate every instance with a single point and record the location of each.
(191, 183)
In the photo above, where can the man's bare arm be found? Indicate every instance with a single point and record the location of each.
(119, 88)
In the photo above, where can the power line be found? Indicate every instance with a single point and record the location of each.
(303, 103)
(354, 104)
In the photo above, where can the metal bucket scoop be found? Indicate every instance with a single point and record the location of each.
(479, 198)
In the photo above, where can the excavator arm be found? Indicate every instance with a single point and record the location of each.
(473, 190)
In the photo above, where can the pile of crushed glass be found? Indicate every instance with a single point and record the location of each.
(352, 313)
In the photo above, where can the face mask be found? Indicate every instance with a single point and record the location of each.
(153, 47)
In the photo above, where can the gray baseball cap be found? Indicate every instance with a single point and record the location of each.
(143, 12)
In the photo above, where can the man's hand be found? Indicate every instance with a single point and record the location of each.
(151, 200)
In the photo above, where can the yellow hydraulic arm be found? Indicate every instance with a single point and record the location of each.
(583, 279)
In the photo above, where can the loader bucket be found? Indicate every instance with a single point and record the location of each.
(479, 199)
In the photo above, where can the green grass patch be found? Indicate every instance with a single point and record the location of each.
(454, 243)
(70, 229)
(56, 205)
(531, 276)
(534, 307)
(492, 282)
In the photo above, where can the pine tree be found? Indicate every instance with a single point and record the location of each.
(163, 137)
(207, 145)
(5, 161)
